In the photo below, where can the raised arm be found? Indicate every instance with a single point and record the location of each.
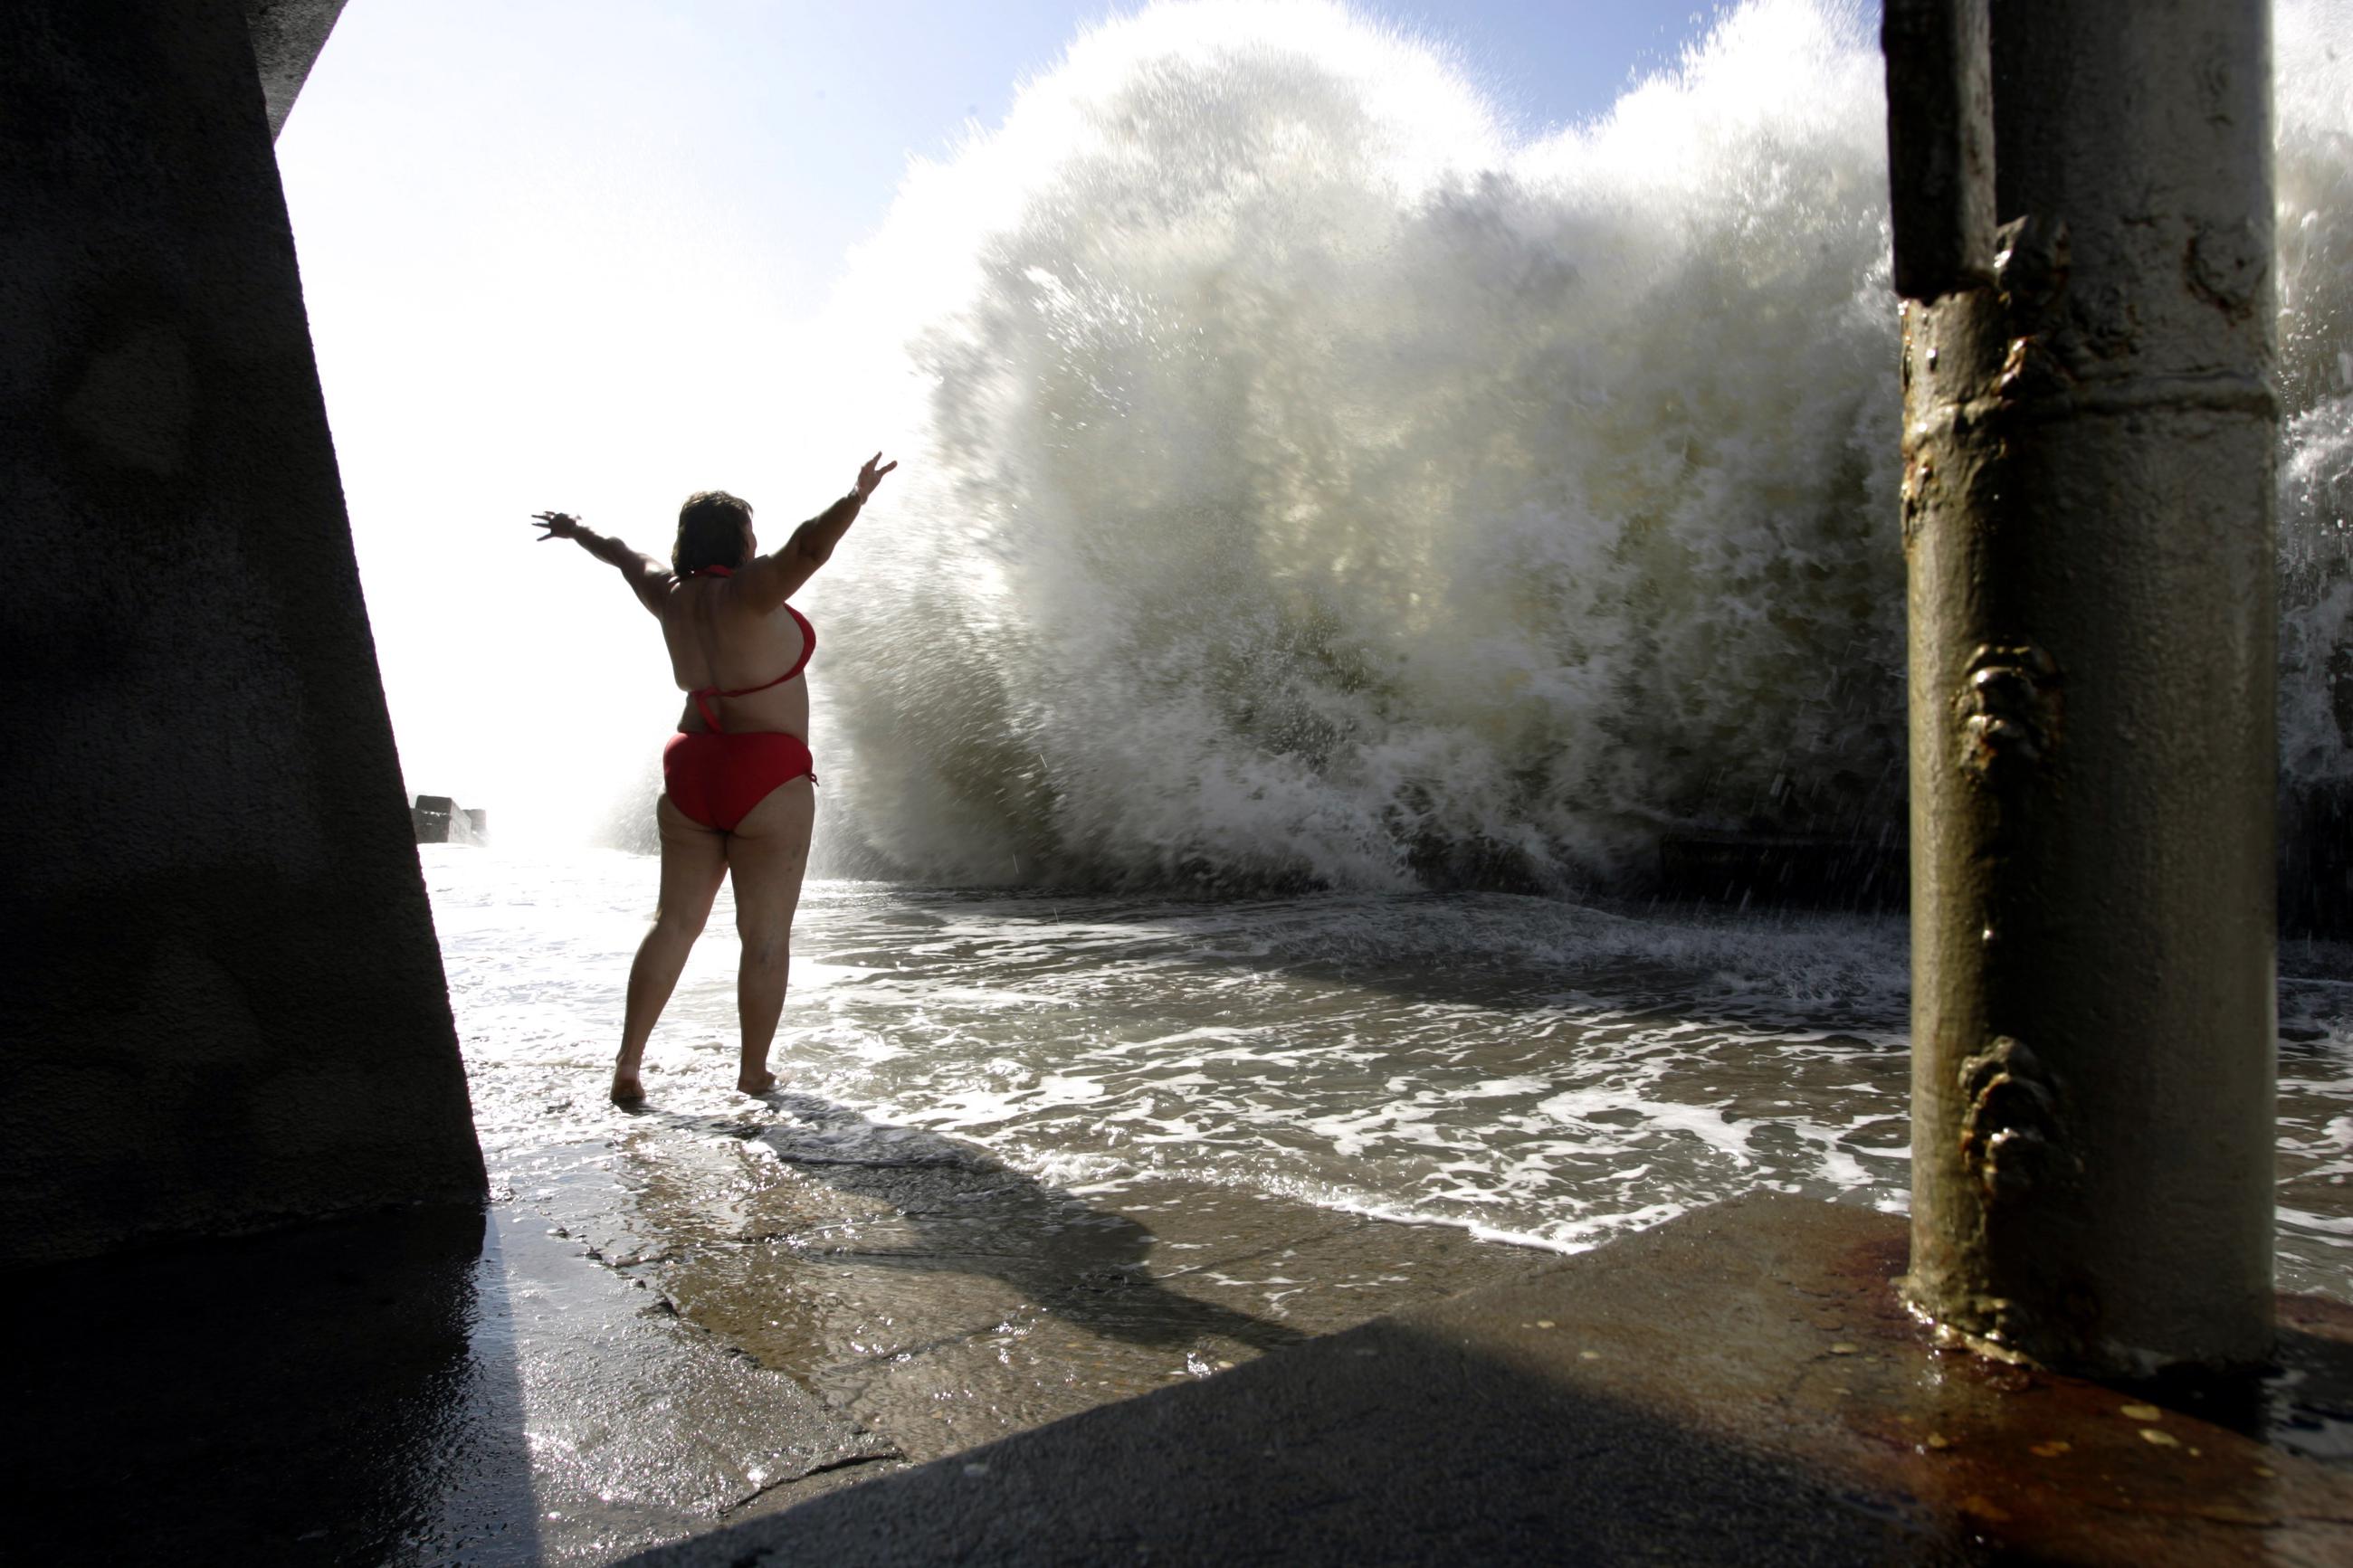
(773, 578)
(647, 578)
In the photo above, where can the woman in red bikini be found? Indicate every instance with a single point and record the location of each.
(739, 791)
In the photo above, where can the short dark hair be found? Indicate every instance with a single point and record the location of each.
(710, 532)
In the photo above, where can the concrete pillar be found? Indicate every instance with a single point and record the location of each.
(2082, 201)
(287, 37)
(225, 1005)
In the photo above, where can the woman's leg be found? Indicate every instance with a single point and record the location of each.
(693, 862)
(768, 853)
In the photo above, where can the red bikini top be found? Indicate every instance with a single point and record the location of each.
(808, 646)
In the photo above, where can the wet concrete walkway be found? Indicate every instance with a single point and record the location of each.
(419, 1388)
(928, 1291)
(626, 1350)
(1738, 1386)
(795, 1335)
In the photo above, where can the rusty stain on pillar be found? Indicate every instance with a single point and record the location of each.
(225, 1008)
(2083, 204)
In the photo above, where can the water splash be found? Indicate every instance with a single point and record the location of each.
(1310, 482)
(2314, 101)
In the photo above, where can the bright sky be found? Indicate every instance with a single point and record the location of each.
(562, 253)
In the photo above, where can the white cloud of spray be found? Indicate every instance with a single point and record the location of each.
(1305, 480)
(2313, 99)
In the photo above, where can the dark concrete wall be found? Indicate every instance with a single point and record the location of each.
(224, 1005)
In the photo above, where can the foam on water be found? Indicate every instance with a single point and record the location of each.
(1523, 1067)
(1306, 476)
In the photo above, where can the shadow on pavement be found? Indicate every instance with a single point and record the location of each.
(963, 1211)
(1742, 1385)
(1380, 1446)
(321, 1396)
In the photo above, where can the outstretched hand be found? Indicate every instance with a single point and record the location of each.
(559, 525)
(870, 476)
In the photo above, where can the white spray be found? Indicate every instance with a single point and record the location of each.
(1307, 482)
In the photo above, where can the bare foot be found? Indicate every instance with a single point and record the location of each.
(628, 1092)
(760, 1083)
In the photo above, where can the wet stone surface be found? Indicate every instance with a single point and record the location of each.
(653, 1337)
(1741, 1384)
(940, 1299)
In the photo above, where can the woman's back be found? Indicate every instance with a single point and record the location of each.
(717, 640)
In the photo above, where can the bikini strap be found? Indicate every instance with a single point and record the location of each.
(808, 642)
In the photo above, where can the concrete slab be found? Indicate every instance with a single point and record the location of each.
(407, 1389)
(1739, 1385)
(927, 1291)
(637, 1421)
(656, 1333)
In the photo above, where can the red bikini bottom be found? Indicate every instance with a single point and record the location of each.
(717, 778)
